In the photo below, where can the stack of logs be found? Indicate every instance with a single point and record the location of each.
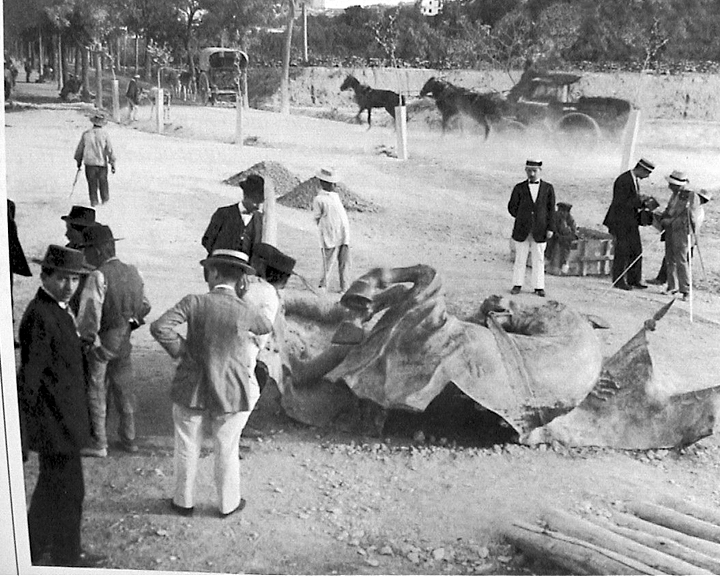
(670, 536)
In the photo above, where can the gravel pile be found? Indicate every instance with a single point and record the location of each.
(302, 197)
(282, 178)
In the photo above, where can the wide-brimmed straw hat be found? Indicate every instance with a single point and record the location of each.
(65, 260)
(231, 257)
(678, 177)
(645, 164)
(327, 175)
(80, 216)
(97, 234)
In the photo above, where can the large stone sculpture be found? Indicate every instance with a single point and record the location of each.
(392, 345)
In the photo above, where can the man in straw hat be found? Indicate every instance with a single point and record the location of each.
(679, 221)
(112, 305)
(96, 151)
(215, 380)
(532, 204)
(623, 221)
(238, 226)
(53, 410)
(334, 227)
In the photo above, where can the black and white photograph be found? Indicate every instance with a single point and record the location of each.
(361, 287)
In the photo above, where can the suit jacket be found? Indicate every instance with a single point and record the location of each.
(227, 230)
(217, 358)
(626, 202)
(536, 218)
(18, 262)
(52, 380)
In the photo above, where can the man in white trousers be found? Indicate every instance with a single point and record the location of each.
(215, 379)
(333, 226)
(532, 204)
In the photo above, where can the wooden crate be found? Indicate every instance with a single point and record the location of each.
(590, 255)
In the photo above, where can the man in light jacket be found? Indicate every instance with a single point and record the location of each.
(96, 152)
(334, 227)
(215, 379)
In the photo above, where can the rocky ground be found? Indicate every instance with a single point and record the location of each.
(432, 495)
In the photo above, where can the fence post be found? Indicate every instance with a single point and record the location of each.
(239, 120)
(159, 110)
(401, 129)
(629, 139)
(116, 100)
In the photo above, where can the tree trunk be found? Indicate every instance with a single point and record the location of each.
(98, 80)
(285, 81)
(41, 53)
(630, 521)
(137, 57)
(60, 69)
(85, 92)
(574, 555)
(305, 33)
(584, 530)
(666, 545)
(675, 521)
(148, 62)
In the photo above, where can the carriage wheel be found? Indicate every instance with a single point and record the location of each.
(578, 130)
(511, 128)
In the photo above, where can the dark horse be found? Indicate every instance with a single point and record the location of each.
(452, 100)
(368, 98)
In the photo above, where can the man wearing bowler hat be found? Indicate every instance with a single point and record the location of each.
(532, 204)
(623, 221)
(238, 226)
(112, 305)
(333, 226)
(96, 152)
(76, 221)
(53, 410)
(215, 381)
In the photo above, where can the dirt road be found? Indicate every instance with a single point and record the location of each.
(321, 502)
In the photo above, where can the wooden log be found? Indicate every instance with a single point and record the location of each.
(675, 520)
(576, 556)
(580, 528)
(663, 544)
(689, 508)
(703, 546)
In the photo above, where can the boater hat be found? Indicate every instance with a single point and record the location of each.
(254, 187)
(231, 257)
(327, 175)
(678, 177)
(65, 260)
(97, 234)
(273, 258)
(645, 164)
(80, 216)
(533, 163)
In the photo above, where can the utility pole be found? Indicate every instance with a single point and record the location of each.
(305, 32)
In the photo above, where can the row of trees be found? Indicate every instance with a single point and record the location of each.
(466, 33)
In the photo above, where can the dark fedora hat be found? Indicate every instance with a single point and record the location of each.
(254, 187)
(65, 260)
(97, 234)
(232, 257)
(80, 216)
(564, 206)
(274, 258)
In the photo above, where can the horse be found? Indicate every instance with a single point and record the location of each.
(368, 98)
(453, 100)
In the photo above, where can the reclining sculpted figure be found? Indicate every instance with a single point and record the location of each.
(540, 368)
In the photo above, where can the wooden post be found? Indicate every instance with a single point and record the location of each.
(41, 59)
(159, 105)
(305, 33)
(137, 57)
(98, 80)
(269, 229)
(239, 138)
(401, 129)
(116, 100)
(629, 139)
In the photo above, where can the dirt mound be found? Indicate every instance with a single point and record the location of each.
(302, 197)
(282, 178)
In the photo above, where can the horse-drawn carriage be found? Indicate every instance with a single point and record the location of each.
(221, 72)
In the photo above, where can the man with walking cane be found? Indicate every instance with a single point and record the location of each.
(679, 220)
(96, 152)
(333, 226)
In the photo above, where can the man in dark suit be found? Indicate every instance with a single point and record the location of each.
(623, 221)
(238, 226)
(18, 262)
(54, 410)
(532, 204)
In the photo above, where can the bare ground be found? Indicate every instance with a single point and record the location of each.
(326, 502)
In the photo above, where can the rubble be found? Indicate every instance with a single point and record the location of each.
(283, 180)
(301, 197)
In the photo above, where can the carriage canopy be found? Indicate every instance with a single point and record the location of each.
(213, 58)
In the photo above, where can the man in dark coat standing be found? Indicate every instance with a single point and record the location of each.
(238, 226)
(18, 262)
(54, 410)
(532, 204)
(623, 221)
